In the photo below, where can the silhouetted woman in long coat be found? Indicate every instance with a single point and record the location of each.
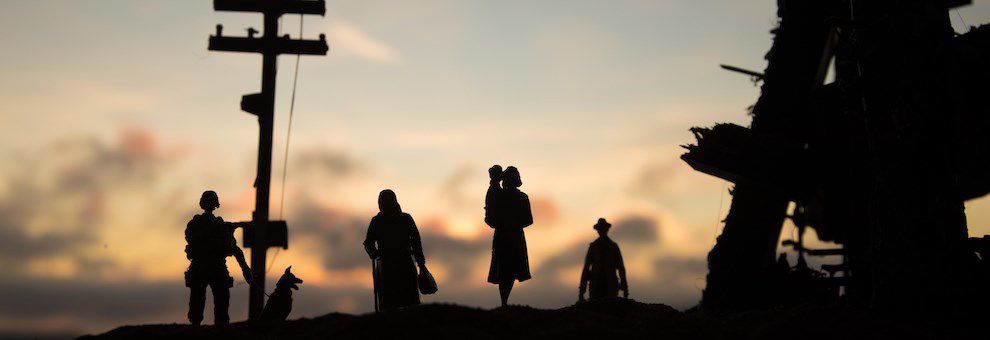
(394, 240)
(510, 261)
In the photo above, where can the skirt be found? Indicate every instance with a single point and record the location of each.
(510, 259)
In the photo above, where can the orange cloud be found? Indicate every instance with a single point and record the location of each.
(545, 210)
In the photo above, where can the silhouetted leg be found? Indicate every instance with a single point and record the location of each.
(197, 301)
(504, 289)
(221, 300)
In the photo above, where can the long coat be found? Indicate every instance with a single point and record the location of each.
(601, 264)
(395, 240)
(510, 259)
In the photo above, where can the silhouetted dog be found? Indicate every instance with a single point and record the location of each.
(280, 302)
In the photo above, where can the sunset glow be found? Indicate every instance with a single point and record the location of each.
(116, 118)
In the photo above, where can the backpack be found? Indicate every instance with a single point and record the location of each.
(208, 238)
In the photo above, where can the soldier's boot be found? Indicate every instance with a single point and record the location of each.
(221, 302)
(197, 302)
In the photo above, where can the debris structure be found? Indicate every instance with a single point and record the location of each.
(879, 161)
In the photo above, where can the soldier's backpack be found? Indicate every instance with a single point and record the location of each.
(208, 238)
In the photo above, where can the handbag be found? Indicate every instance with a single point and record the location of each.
(427, 285)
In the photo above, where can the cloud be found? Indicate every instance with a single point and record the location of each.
(671, 279)
(59, 202)
(677, 280)
(570, 256)
(635, 230)
(341, 234)
(639, 230)
(126, 300)
(329, 163)
(45, 192)
(452, 189)
(545, 210)
(55, 200)
(61, 205)
(674, 264)
(655, 178)
(338, 234)
(460, 256)
(669, 180)
(348, 39)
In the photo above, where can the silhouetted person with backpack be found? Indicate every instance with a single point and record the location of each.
(209, 241)
(393, 242)
(603, 268)
(509, 214)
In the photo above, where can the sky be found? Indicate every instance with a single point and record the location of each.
(115, 118)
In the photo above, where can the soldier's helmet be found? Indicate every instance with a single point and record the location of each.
(209, 200)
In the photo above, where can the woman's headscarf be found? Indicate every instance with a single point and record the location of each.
(388, 203)
(511, 178)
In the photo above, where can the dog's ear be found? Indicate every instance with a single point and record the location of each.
(288, 270)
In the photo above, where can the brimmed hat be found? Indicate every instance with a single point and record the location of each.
(602, 224)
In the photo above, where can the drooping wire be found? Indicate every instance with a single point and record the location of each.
(715, 232)
(961, 20)
(288, 133)
(288, 137)
(718, 217)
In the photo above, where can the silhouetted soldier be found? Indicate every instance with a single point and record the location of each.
(603, 262)
(393, 241)
(512, 213)
(209, 241)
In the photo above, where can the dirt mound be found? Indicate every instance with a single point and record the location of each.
(613, 319)
(441, 321)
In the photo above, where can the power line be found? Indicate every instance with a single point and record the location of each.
(288, 137)
(718, 217)
(288, 133)
(961, 19)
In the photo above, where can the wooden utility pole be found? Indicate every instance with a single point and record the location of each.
(264, 233)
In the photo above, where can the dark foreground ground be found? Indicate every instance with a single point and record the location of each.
(611, 319)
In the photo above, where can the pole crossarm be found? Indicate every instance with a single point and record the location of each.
(282, 45)
(276, 7)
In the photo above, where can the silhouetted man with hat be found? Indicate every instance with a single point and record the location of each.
(603, 267)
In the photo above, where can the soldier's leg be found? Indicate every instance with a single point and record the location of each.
(221, 302)
(197, 301)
